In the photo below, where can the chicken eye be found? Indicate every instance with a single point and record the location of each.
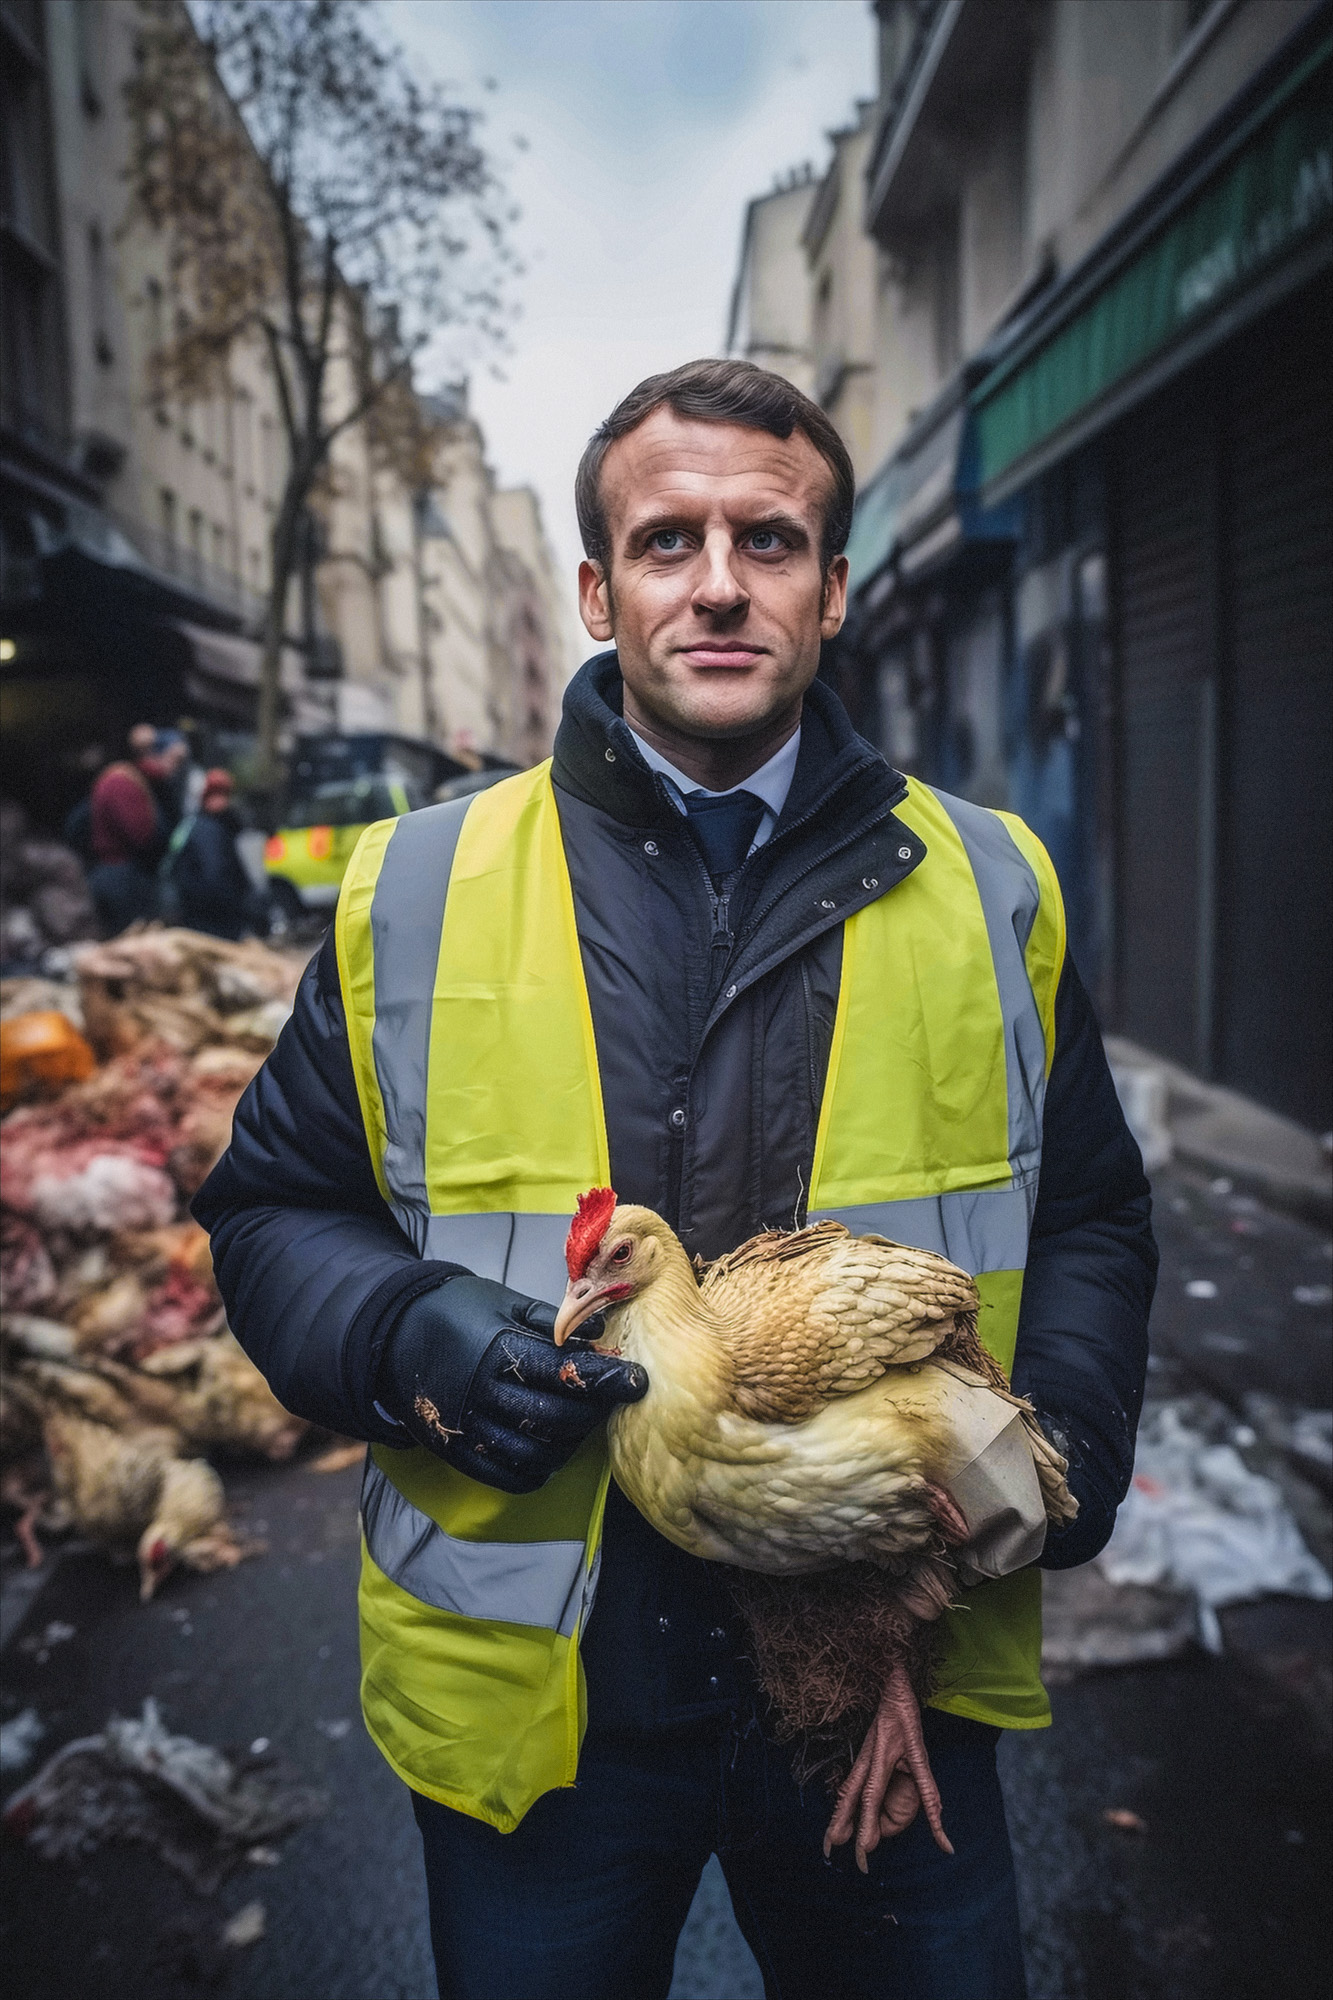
(622, 1253)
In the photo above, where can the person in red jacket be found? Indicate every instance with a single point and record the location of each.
(127, 831)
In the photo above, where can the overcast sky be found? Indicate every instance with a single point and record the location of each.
(648, 126)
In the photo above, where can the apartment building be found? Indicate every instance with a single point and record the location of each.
(135, 523)
(1090, 557)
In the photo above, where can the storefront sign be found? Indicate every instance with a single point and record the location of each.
(1265, 201)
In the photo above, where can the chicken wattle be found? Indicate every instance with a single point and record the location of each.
(815, 1399)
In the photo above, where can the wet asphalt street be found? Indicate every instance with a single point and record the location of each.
(1224, 1760)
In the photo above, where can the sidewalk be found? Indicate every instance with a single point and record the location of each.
(1176, 1115)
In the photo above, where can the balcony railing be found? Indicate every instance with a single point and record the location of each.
(187, 566)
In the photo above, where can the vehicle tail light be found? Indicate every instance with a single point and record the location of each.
(321, 843)
(275, 848)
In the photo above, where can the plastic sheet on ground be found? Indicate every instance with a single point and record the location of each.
(1198, 1531)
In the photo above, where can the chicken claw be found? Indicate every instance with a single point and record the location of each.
(889, 1780)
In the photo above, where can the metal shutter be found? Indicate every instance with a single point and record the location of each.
(1275, 965)
(1162, 509)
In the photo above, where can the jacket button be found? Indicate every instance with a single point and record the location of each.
(904, 853)
(664, 1624)
(827, 903)
(731, 993)
(870, 881)
(718, 1635)
(713, 1684)
(610, 756)
(650, 847)
(678, 1118)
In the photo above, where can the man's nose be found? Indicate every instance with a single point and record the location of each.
(718, 589)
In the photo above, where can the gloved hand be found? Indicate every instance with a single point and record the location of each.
(471, 1371)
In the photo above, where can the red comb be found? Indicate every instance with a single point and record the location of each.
(588, 1228)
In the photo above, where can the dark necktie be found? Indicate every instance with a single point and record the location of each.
(724, 827)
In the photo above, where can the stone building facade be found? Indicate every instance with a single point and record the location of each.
(136, 524)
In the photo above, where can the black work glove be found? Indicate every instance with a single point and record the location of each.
(471, 1371)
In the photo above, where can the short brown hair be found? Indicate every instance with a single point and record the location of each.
(718, 392)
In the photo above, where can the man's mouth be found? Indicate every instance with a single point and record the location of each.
(724, 653)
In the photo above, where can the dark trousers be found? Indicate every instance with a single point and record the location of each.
(586, 1899)
(123, 893)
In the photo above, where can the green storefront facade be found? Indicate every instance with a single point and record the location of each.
(1133, 639)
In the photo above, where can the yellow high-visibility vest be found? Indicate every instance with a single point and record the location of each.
(476, 1067)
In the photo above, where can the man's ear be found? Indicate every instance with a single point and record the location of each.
(595, 601)
(835, 599)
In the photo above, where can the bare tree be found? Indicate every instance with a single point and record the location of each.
(312, 190)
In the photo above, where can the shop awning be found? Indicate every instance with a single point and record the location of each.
(223, 671)
(921, 505)
(1250, 222)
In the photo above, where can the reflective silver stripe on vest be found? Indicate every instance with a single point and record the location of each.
(508, 1583)
(1010, 896)
(985, 1230)
(406, 921)
(526, 1252)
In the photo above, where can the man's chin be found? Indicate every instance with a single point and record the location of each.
(719, 704)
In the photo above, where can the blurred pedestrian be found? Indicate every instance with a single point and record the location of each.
(165, 763)
(128, 832)
(211, 887)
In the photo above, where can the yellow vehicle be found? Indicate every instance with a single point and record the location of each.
(339, 785)
(306, 858)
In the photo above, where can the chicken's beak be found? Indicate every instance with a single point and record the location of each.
(582, 1299)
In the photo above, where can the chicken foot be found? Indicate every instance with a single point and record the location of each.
(890, 1780)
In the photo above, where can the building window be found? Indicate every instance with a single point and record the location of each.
(245, 441)
(156, 334)
(166, 501)
(103, 352)
(86, 24)
(219, 546)
(32, 382)
(268, 458)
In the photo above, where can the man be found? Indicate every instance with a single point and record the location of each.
(132, 812)
(631, 969)
(207, 875)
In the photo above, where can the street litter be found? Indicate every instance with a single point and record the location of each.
(246, 1927)
(19, 1737)
(1145, 1099)
(120, 1372)
(1197, 1531)
(44, 900)
(199, 1809)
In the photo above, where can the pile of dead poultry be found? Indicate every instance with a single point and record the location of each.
(121, 1382)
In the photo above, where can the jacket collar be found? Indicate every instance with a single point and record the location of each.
(598, 760)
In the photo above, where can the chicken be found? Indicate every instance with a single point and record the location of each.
(222, 1399)
(812, 1394)
(123, 1488)
(117, 1476)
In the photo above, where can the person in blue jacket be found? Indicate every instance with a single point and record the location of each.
(213, 892)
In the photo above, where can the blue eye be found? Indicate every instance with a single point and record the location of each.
(764, 540)
(666, 541)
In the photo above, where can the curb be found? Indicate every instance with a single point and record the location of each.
(1176, 1115)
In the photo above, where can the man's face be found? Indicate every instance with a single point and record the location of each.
(716, 598)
